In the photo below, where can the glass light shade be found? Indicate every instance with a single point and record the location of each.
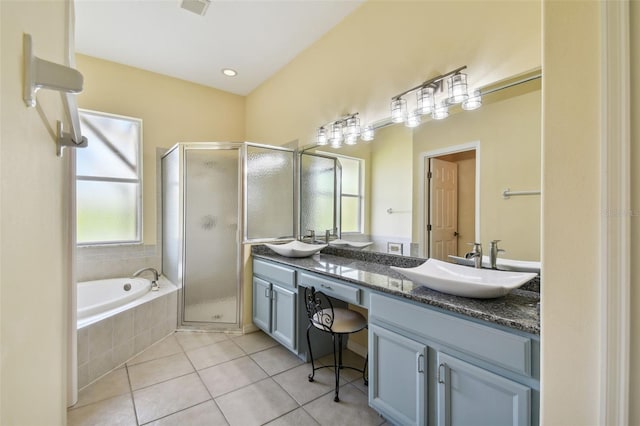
(441, 111)
(350, 140)
(413, 120)
(336, 133)
(473, 102)
(335, 143)
(426, 100)
(368, 133)
(321, 136)
(398, 110)
(352, 131)
(457, 88)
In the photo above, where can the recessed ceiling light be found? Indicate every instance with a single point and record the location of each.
(229, 72)
(199, 7)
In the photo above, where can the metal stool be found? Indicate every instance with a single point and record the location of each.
(336, 321)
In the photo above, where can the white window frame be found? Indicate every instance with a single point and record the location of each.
(360, 195)
(137, 180)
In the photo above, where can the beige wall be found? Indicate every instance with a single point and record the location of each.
(34, 236)
(391, 172)
(384, 48)
(509, 135)
(171, 110)
(571, 219)
(634, 396)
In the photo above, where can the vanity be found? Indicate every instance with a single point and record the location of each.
(433, 358)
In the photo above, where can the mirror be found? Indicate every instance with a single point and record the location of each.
(494, 148)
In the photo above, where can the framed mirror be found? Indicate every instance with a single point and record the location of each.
(494, 149)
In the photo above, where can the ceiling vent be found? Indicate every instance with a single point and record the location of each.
(199, 7)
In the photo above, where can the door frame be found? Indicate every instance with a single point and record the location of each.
(423, 190)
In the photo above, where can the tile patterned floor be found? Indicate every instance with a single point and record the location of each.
(193, 378)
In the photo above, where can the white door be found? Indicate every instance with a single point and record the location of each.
(443, 209)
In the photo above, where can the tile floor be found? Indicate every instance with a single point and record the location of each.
(193, 378)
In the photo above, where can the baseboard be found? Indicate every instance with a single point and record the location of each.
(357, 348)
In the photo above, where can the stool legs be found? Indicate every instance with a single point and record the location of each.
(337, 362)
(336, 365)
(313, 367)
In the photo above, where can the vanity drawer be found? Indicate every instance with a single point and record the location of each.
(331, 288)
(501, 348)
(274, 273)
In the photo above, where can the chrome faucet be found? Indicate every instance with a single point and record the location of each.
(493, 253)
(475, 254)
(156, 277)
(312, 235)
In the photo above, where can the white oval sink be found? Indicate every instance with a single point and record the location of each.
(296, 249)
(502, 264)
(354, 244)
(464, 281)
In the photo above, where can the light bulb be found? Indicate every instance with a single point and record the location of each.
(321, 136)
(368, 133)
(413, 120)
(398, 110)
(457, 88)
(352, 130)
(473, 102)
(425, 100)
(441, 111)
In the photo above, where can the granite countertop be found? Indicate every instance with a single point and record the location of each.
(516, 310)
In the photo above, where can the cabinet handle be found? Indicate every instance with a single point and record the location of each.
(267, 293)
(420, 360)
(441, 376)
(328, 287)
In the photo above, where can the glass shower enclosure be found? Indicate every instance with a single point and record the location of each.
(204, 213)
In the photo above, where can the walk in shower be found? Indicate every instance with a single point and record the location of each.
(215, 196)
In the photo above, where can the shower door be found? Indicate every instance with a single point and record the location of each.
(211, 258)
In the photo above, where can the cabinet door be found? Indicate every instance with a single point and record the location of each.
(469, 395)
(261, 304)
(396, 376)
(283, 316)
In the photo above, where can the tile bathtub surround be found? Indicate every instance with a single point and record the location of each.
(100, 262)
(107, 344)
(250, 382)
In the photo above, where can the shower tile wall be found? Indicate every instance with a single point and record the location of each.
(107, 344)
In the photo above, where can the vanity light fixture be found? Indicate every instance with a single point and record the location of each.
(345, 130)
(431, 99)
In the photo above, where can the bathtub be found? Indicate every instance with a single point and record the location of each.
(115, 324)
(99, 296)
(101, 299)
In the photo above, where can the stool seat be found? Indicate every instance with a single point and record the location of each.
(337, 322)
(344, 320)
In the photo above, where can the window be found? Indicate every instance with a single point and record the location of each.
(108, 180)
(351, 197)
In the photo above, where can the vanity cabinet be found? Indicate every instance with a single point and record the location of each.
(431, 367)
(397, 385)
(274, 302)
(468, 395)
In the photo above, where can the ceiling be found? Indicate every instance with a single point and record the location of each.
(256, 38)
